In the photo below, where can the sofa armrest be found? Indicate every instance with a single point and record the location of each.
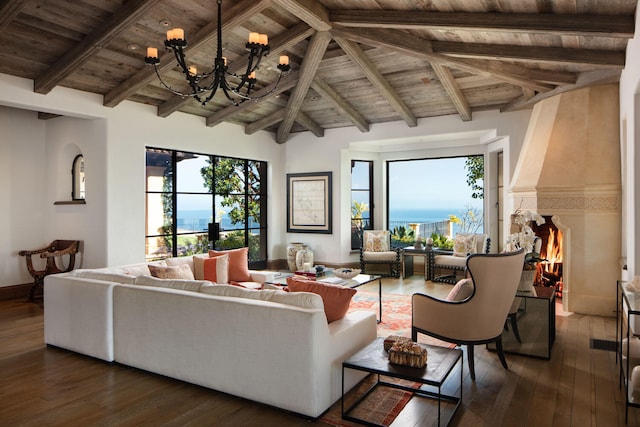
(261, 276)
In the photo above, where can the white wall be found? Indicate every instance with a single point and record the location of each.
(630, 154)
(22, 189)
(434, 137)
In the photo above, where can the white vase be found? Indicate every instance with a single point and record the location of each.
(292, 250)
(304, 259)
(526, 280)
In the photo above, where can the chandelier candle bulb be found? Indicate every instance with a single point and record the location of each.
(178, 33)
(193, 70)
(254, 37)
(284, 60)
(252, 75)
(264, 39)
(152, 52)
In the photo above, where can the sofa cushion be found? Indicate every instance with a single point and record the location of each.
(298, 299)
(185, 285)
(461, 291)
(172, 272)
(336, 299)
(238, 263)
(104, 275)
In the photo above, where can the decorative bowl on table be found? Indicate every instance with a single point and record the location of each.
(346, 273)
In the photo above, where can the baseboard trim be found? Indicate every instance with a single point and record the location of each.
(15, 292)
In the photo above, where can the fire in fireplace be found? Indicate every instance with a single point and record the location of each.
(549, 272)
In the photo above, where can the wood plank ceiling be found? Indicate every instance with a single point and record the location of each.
(354, 62)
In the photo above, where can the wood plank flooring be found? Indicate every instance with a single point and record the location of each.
(41, 385)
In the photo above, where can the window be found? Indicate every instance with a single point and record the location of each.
(361, 199)
(187, 191)
(442, 196)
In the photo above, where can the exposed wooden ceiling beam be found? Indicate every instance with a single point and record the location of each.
(333, 97)
(357, 55)
(590, 78)
(9, 9)
(124, 17)
(277, 117)
(287, 82)
(530, 53)
(277, 44)
(233, 17)
(545, 23)
(308, 68)
(310, 11)
(309, 124)
(454, 92)
(397, 40)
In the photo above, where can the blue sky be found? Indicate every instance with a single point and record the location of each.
(430, 184)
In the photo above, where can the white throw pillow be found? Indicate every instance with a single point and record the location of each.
(464, 244)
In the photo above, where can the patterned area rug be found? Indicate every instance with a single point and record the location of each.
(381, 407)
(396, 315)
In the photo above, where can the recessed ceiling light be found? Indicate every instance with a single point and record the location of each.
(133, 46)
(165, 23)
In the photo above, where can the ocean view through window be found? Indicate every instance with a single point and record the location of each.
(186, 192)
(442, 196)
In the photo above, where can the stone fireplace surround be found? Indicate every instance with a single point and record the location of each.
(569, 168)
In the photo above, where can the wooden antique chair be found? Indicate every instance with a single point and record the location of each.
(375, 248)
(55, 249)
(479, 317)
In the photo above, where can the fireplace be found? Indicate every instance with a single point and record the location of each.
(568, 170)
(549, 272)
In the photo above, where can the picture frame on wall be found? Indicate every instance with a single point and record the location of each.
(309, 203)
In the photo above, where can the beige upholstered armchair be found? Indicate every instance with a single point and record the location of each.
(478, 317)
(463, 245)
(375, 248)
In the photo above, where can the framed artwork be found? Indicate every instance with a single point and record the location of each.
(309, 202)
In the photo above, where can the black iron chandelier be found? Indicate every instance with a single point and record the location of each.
(205, 85)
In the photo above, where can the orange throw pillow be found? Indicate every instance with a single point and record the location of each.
(336, 298)
(214, 269)
(238, 263)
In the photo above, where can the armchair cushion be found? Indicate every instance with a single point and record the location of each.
(380, 256)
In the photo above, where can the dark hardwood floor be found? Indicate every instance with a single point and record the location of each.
(42, 385)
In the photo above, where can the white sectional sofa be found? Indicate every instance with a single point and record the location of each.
(269, 346)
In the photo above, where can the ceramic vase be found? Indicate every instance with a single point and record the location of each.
(292, 250)
(304, 258)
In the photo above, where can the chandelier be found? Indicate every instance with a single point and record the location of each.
(205, 85)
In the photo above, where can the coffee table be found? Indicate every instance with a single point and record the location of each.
(329, 278)
(440, 363)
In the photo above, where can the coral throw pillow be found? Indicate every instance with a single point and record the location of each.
(336, 298)
(171, 272)
(214, 269)
(238, 263)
